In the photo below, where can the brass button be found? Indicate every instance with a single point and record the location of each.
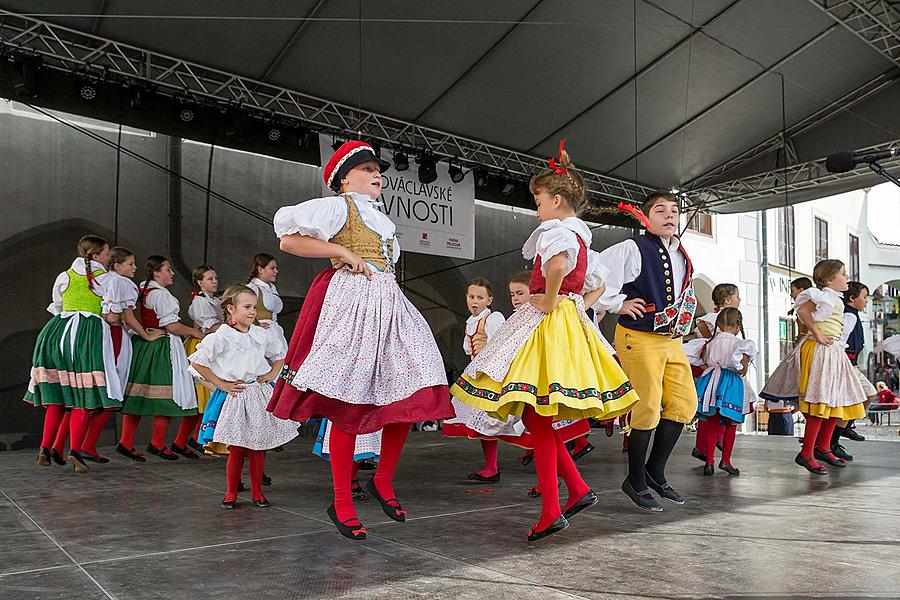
(665, 265)
(667, 273)
(669, 297)
(668, 282)
(668, 289)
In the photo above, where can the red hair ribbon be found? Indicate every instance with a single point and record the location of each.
(635, 212)
(558, 168)
(194, 294)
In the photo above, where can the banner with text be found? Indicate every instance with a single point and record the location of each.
(431, 218)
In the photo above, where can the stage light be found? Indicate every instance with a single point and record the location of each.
(136, 99)
(507, 184)
(186, 115)
(427, 168)
(456, 172)
(401, 160)
(88, 92)
(482, 180)
(304, 138)
(274, 134)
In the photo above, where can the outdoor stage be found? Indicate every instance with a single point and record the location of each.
(130, 531)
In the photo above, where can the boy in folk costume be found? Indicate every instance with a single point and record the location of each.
(649, 287)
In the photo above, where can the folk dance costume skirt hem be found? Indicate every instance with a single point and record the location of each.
(203, 394)
(361, 356)
(74, 365)
(207, 433)
(243, 421)
(554, 363)
(159, 382)
(783, 383)
(725, 392)
(368, 445)
(827, 384)
(475, 424)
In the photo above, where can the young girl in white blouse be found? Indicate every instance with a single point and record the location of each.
(241, 360)
(159, 384)
(469, 421)
(263, 274)
(206, 315)
(724, 396)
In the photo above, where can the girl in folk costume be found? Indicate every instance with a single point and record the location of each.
(206, 314)
(119, 299)
(827, 386)
(723, 295)
(649, 286)
(366, 448)
(547, 363)
(724, 395)
(240, 360)
(73, 364)
(470, 422)
(159, 384)
(780, 390)
(361, 355)
(263, 274)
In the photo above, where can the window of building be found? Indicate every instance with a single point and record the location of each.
(702, 223)
(787, 333)
(785, 236)
(821, 227)
(853, 269)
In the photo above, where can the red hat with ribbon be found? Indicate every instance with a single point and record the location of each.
(349, 155)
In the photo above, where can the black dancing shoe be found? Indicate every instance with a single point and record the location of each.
(806, 464)
(266, 480)
(841, 452)
(558, 525)
(698, 455)
(708, 471)
(586, 501)
(356, 490)
(194, 444)
(229, 504)
(78, 462)
(43, 458)
(262, 502)
(583, 452)
(664, 490)
(278, 449)
(852, 434)
(394, 512)
(533, 492)
(475, 476)
(367, 465)
(643, 499)
(353, 532)
(164, 453)
(730, 469)
(132, 454)
(829, 457)
(185, 452)
(94, 458)
(57, 457)
(241, 486)
(526, 459)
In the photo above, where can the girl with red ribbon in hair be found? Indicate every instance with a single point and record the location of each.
(361, 354)
(547, 362)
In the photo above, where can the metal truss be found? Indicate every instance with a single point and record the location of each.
(785, 139)
(794, 178)
(875, 22)
(91, 56)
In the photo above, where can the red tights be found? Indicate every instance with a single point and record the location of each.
(551, 459)
(53, 417)
(185, 429)
(817, 435)
(341, 446)
(235, 465)
(490, 449)
(95, 427)
(78, 426)
(160, 426)
(712, 426)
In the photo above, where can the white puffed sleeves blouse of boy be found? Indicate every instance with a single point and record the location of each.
(323, 218)
(236, 356)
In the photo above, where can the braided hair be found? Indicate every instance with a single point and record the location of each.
(88, 246)
(151, 266)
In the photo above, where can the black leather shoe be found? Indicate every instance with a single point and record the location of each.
(164, 453)
(708, 471)
(266, 480)
(829, 457)
(583, 452)
(353, 532)
(526, 459)
(262, 502)
(698, 455)
(730, 469)
(367, 465)
(473, 476)
(43, 458)
(643, 499)
(586, 501)
(94, 458)
(841, 452)
(57, 457)
(185, 452)
(665, 490)
(229, 504)
(194, 444)
(76, 461)
(395, 512)
(558, 525)
(806, 463)
(851, 434)
(132, 454)
(356, 490)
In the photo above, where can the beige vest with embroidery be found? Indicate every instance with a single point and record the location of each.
(356, 237)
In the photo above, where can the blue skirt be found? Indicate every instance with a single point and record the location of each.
(728, 399)
(210, 416)
(319, 445)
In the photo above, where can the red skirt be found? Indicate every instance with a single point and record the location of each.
(290, 403)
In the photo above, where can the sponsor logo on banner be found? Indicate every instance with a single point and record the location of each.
(440, 216)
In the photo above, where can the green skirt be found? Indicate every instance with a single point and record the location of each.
(149, 390)
(72, 372)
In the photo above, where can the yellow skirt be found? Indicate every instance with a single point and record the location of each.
(826, 378)
(190, 346)
(562, 371)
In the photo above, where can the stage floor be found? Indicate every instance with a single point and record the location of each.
(155, 530)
